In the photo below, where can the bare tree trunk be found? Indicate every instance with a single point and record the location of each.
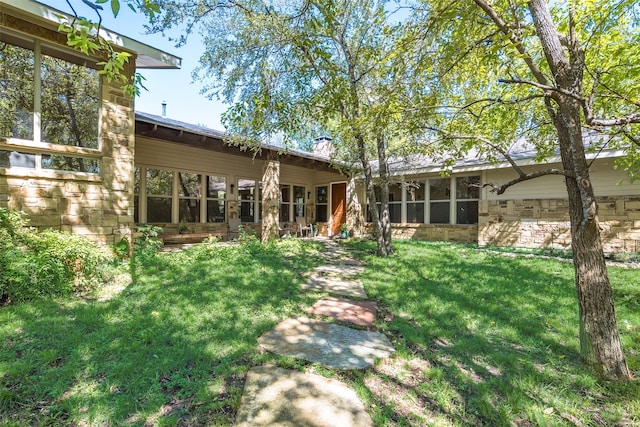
(385, 219)
(371, 196)
(599, 339)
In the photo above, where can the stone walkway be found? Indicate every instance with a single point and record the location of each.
(274, 396)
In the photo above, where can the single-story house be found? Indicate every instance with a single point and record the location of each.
(74, 155)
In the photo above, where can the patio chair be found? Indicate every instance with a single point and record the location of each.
(232, 231)
(303, 227)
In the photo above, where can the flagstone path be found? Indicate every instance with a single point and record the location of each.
(274, 396)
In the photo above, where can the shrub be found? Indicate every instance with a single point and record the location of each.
(45, 263)
(148, 244)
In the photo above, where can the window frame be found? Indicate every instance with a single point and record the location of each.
(36, 146)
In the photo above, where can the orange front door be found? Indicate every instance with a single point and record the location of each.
(338, 204)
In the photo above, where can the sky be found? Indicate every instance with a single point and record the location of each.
(183, 98)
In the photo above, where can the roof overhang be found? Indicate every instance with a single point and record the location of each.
(164, 129)
(147, 56)
(479, 165)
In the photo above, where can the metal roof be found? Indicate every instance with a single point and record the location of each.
(147, 56)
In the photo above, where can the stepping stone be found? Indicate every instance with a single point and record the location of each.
(274, 396)
(361, 313)
(335, 285)
(343, 269)
(328, 344)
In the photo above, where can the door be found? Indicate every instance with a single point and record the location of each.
(338, 206)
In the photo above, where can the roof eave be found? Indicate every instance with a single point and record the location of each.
(147, 56)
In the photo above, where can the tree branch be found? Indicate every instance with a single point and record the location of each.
(546, 88)
(620, 121)
(500, 189)
(515, 39)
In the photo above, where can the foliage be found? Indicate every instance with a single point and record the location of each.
(122, 248)
(294, 69)
(148, 243)
(83, 35)
(45, 263)
(481, 339)
(175, 345)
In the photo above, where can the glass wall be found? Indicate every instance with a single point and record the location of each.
(432, 199)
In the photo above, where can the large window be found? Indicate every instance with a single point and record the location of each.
(433, 199)
(395, 203)
(250, 200)
(166, 192)
(467, 196)
(159, 192)
(298, 200)
(439, 196)
(322, 197)
(189, 194)
(285, 203)
(415, 201)
(47, 96)
(216, 197)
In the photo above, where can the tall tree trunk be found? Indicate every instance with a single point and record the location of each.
(385, 217)
(599, 339)
(371, 196)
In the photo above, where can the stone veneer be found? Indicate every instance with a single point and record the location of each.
(98, 206)
(432, 232)
(544, 223)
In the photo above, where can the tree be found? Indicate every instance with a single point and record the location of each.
(515, 70)
(288, 68)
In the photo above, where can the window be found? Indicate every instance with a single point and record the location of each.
(189, 194)
(48, 96)
(285, 203)
(467, 196)
(17, 94)
(248, 197)
(322, 197)
(16, 159)
(439, 196)
(415, 201)
(298, 200)
(395, 203)
(216, 197)
(159, 195)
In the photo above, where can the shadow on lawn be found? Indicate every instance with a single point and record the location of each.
(176, 344)
(499, 335)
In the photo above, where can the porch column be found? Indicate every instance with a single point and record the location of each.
(270, 200)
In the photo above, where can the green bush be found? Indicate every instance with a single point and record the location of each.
(36, 264)
(148, 244)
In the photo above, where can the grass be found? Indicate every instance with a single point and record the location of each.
(481, 339)
(486, 339)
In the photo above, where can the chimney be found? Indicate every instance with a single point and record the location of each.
(164, 108)
(322, 146)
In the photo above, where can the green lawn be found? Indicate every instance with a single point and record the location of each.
(482, 339)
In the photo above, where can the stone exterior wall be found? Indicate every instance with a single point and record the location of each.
(432, 232)
(541, 223)
(98, 206)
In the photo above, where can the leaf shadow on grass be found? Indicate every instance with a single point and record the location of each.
(176, 343)
(499, 334)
